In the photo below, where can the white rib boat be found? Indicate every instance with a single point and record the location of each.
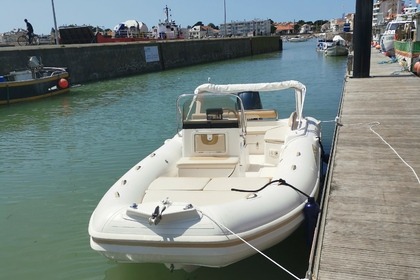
(234, 172)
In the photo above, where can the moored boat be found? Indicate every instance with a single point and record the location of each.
(338, 48)
(298, 38)
(36, 82)
(323, 44)
(135, 31)
(407, 44)
(404, 20)
(127, 31)
(407, 53)
(234, 171)
(167, 29)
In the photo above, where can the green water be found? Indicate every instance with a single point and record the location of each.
(58, 156)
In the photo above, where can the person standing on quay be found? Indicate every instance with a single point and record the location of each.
(30, 30)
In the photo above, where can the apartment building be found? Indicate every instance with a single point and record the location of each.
(246, 28)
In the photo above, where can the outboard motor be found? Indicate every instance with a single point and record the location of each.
(35, 66)
(33, 62)
(251, 100)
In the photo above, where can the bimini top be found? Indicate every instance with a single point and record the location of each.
(300, 90)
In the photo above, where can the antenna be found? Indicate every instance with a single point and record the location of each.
(167, 10)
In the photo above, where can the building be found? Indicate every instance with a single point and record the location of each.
(386, 10)
(200, 32)
(393, 8)
(378, 14)
(246, 28)
(284, 28)
(383, 12)
(344, 24)
(305, 29)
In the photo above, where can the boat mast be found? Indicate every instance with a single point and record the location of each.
(167, 13)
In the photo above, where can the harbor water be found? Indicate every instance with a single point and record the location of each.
(58, 156)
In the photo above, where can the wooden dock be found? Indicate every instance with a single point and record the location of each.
(370, 222)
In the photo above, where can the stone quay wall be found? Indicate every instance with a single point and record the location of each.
(95, 62)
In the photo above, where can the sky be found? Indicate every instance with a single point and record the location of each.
(108, 13)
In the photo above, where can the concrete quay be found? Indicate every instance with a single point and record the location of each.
(370, 223)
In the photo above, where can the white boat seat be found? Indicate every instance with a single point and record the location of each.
(179, 183)
(207, 162)
(259, 130)
(196, 198)
(243, 183)
(204, 191)
(261, 114)
(207, 166)
(269, 172)
(276, 135)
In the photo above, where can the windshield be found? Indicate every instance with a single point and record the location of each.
(393, 26)
(210, 110)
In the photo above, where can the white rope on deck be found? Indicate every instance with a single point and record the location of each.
(371, 125)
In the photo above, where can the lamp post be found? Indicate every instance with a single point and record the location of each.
(224, 5)
(55, 23)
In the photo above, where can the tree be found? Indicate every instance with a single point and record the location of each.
(199, 23)
(273, 29)
(318, 24)
(213, 26)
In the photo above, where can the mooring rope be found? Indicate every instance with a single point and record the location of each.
(251, 246)
(279, 181)
(376, 123)
(371, 125)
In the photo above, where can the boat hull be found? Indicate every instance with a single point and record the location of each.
(336, 51)
(26, 90)
(210, 253)
(298, 39)
(408, 51)
(106, 39)
(387, 44)
(322, 45)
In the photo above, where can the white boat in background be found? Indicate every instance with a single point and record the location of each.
(323, 44)
(233, 172)
(338, 48)
(298, 39)
(167, 29)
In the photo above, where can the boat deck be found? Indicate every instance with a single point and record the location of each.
(370, 226)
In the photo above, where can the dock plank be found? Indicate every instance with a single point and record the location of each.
(370, 226)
